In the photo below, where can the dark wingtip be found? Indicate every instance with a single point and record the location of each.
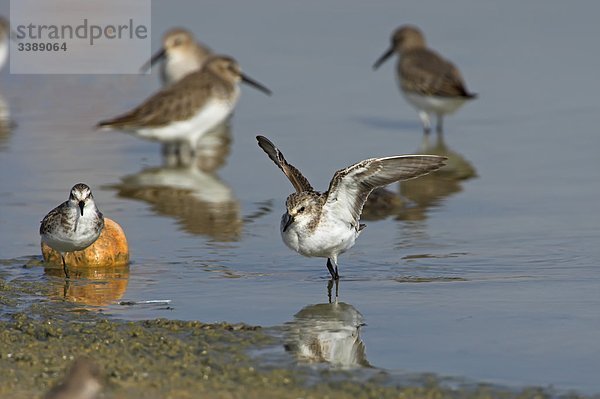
(263, 140)
(268, 147)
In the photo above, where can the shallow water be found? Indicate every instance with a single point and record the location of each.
(488, 272)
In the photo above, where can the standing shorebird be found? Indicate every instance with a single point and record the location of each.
(83, 381)
(430, 83)
(4, 36)
(327, 224)
(181, 55)
(74, 225)
(189, 108)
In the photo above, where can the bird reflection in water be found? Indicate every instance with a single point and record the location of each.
(6, 124)
(327, 333)
(416, 196)
(89, 286)
(189, 189)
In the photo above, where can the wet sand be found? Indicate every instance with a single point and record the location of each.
(176, 359)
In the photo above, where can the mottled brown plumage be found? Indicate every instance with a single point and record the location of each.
(188, 109)
(357, 181)
(429, 82)
(181, 100)
(421, 69)
(73, 225)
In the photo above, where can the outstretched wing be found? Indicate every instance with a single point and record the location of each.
(350, 187)
(298, 181)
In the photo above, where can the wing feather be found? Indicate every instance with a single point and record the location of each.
(299, 182)
(176, 102)
(351, 186)
(425, 72)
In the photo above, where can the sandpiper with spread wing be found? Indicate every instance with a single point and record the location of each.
(430, 83)
(327, 224)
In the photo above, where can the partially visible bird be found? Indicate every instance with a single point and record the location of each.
(4, 37)
(83, 381)
(180, 54)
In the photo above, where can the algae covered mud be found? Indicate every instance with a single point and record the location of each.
(41, 337)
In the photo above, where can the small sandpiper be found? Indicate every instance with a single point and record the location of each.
(181, 55)
(327, 224)
(82, 381)
(186, 110)
(4, 36)
(430, 83)
(74, 225)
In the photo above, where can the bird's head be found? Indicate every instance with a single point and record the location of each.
(404, 38)
(228, 69)
(302, 208)
(81, 195)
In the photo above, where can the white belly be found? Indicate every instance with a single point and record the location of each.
(3, 52)
(324, 242)
(178, 66)
(69, 244)
(434, 104)
(72, 241)
(212, 114)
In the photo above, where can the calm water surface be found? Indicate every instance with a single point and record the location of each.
(489, 271)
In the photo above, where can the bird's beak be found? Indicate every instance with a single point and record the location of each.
(160, 54)
(81, 206)
(289, 220)
(255, 84)
(383, 58)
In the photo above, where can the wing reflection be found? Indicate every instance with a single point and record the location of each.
(327, 333)
(417, 195)
(5, 123)
(191, 192)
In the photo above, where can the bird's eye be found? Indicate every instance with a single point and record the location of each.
(301, 210)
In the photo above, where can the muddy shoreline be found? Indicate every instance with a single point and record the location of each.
(40, 338)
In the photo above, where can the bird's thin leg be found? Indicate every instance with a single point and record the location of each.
(170, 154)
(66, 287)
(425, 121)
(440, 123)
(337, 289)
(333, 271)
(330, 287)
(65, 268)
(193, 150)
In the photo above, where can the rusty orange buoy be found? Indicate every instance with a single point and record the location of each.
(109, 250)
